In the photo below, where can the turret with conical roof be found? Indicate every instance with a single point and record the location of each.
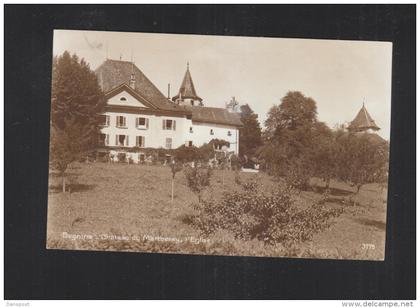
(187, 94)
(363, 122)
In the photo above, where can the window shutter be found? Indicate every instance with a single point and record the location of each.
(106, 139)
(137, 121)
(163, 124)
(143, 141)
(124, 122)
(137, 141)
(147, 122)
(126, 140)
(116, 139)
(118, 121)
(174, 125)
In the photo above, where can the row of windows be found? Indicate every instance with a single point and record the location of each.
(143, 123)
(123, 141)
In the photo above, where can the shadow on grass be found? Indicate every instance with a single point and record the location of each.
(54, 174)
(71, 187)
(186, 219)
(371, 223)
(333, 191)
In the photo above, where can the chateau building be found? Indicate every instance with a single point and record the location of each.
(137, 115)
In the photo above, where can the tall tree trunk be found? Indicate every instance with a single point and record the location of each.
(63, 179)
(223, 177)
(172, 191)
(327, 183)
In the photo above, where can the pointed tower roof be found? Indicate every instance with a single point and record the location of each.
(187, 89)
(363, 121)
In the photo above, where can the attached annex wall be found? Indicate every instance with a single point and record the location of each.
(202, 134)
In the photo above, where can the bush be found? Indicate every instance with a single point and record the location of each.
(235, 162)
(187, 154)
(270, 217)
(198, 178)
(121, 157)
(102, 157)
(298, 174)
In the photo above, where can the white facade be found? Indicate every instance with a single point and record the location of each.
(205, 132)
(146, 127)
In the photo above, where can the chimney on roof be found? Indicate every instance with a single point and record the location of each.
(132, 77)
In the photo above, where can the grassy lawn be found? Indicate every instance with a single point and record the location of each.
(134, 203)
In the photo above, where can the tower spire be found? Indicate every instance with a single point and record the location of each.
(363, 121)
(187, 94)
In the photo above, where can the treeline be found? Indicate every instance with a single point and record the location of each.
(296, 146)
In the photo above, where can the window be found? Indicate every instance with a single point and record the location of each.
(140, 141)
(211, 132)
(190, 143)
(192, 102)
(123, 99)
(168, 144)
(105, 120)
(103, 139)
(121, 122)
(229, 133)
(169, 124)
(191, 130)
(121, 140)
(142, 123)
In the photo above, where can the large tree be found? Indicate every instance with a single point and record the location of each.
(76, 101)
(291, 128)
(362, 159)
(250, 134)
(295, 111)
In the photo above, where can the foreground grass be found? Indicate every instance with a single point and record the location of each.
(128, 208)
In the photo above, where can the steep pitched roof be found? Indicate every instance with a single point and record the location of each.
(363, 121)
(114, 76)
(113, 73)
(187, 89)
(214, 115)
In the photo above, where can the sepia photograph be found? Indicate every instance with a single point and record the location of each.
(219, 145)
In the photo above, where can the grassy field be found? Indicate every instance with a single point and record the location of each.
(128, 208)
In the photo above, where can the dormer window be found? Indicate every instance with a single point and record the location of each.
(211, 132)
(123, 99)
(191, 130)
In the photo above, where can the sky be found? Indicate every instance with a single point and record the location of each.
(339, 75)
